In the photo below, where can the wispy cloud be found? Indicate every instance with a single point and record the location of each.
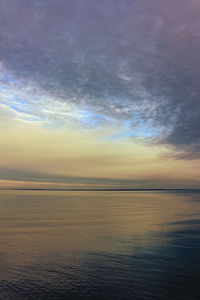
(120, 61)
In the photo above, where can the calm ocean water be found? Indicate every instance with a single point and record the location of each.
(99, 245)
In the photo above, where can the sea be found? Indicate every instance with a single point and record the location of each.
(127, 245)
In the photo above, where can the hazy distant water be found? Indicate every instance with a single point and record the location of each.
(99, 245)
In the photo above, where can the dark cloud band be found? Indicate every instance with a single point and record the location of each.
(129, 60)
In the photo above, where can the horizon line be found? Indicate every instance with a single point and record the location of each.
(102, 189)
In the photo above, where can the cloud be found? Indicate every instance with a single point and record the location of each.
(131, 61)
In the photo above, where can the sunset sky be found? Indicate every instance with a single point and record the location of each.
(99, 94)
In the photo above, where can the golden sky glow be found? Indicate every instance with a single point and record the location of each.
(34, 156)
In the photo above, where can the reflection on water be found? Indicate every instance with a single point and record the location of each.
(99, 245)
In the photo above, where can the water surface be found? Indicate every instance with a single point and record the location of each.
(99, 245)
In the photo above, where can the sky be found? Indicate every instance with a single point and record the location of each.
(99, 94)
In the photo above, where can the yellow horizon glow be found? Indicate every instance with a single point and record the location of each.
(82, 153)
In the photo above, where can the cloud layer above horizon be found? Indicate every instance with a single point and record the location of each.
(121, 71)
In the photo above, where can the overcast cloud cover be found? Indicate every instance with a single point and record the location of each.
(136, 62)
